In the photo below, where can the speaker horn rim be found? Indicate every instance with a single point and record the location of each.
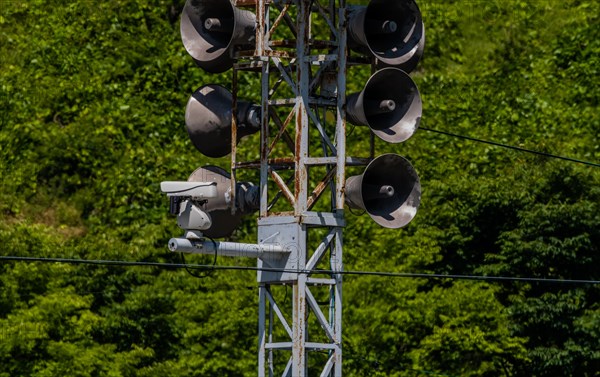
(404, 121)
(215, 58)
(405, 210)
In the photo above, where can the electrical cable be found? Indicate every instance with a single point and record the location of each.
(550, 155)
(207, 271)
(351, 131)
(357, 213)
(330, 272)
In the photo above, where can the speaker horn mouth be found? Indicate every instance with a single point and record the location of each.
(211, 29)
(400, 46)
(389, 190)
(208, 118)
(390, 104)
(391, 30)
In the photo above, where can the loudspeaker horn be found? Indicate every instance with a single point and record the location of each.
(391, 30)
(208, 120)
(219, 208)
(390, 104)
(389, 190)
(212, 29)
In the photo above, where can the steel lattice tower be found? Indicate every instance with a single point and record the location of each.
(303, 65)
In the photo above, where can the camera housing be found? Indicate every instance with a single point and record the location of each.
(185, 201)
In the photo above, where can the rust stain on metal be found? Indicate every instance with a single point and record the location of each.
(234, 97)
(259, 48)
(279, 19)
(289, 43)
(283, 187)
(245, 3)
(282, 128)
(282, 214)
(298, 154)
(280, 54)
(318, 191)
(281, 163)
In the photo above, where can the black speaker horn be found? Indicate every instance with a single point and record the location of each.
(223, 221)
(212, 29)
(208, 117)
(389, 190)
(390, 30)
(390, 104)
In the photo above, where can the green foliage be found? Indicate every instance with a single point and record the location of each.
(92, 96)
(456, 329)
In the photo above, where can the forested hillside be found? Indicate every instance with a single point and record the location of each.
(92, 101)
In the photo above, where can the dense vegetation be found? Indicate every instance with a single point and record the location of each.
(92, 96)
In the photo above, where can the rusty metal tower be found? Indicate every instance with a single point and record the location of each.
(300, 50)
(305, 65)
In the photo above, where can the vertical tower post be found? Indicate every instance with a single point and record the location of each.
(304, 66)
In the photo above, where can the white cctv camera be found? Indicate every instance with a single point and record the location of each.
(186, 199)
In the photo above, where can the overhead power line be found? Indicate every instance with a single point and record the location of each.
(520, 149)
(249, 268)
